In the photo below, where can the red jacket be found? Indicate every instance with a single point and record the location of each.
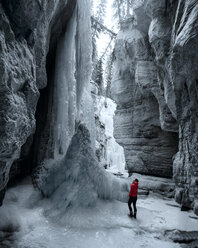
(134, 189)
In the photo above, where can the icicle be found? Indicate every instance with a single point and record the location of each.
(83, 46)
(65, 89)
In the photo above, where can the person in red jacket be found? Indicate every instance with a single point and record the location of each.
(133, 198)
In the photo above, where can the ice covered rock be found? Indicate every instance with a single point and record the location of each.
(184, 237)
(31, 39)
(78, 180)
(110, 154)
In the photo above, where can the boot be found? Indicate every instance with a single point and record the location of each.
(134, 215)
(131, 214)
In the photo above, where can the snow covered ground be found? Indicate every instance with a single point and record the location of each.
(104, 226)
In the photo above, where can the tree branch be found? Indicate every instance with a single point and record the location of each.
(103, 27)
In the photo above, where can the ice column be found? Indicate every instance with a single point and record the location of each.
(65, 89)
(72, 97)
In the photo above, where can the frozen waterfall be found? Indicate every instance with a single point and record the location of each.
(114, 157)
(73, 177)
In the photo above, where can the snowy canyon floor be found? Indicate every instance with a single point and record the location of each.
(27, 221)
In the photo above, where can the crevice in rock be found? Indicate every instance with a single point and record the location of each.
(39, 142)
(39, 146)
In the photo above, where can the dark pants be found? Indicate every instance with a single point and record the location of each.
(132, 199)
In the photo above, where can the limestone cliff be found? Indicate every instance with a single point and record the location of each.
(148, 148)
(155, 87)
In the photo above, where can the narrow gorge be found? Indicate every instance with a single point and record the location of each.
(77, 149)
(155, 87)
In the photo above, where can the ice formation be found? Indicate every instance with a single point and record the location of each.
(114, 153)
(64, 107)
(73, 174)
(77, 179)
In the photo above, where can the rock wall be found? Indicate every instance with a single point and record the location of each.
(33, 38)
(139, 115)
(155, 87)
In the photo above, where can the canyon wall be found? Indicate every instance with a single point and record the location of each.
(155, 87)
(45, 67)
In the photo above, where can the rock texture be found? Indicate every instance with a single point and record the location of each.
(32, 39)
(155, 87)
(142, 113)
(184, 78)
(190, 239)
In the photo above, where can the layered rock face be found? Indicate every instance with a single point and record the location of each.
(183, 76)
(155, 87)
(148, 148)
(42, 43)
